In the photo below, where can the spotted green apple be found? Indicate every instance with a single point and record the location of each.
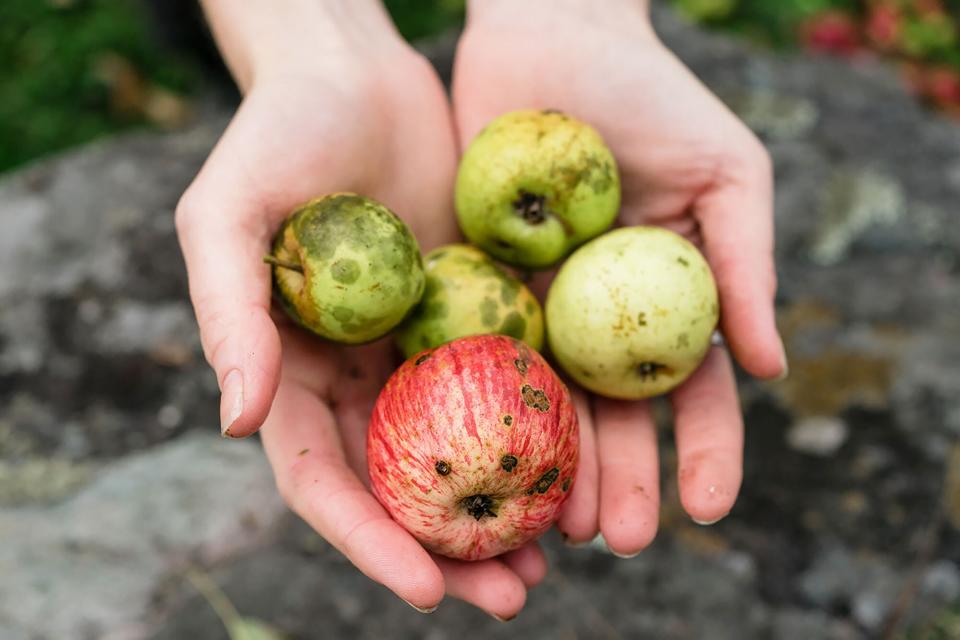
(346, 268)
(533, 185)
(468, 294)
(630, 314)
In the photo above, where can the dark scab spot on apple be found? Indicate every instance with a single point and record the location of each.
(508, 420)
(545, 481)
(535, 398)
(530, 307)
(479, 505)
(531, 207)
(683, 340)
(641, 319)
(343, 314)
(508, 462)
(488, 312)
(345, 271)
(566, 485)
(509, 290)
(683, 261)
(419, 361)
(503, 244)
(442, 467)
(513, 325)
(649, 370)
(521, 365)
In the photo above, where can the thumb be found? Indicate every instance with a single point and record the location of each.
(230, 290)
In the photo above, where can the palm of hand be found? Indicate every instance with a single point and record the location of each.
(687, 164)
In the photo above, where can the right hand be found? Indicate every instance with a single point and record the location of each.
(371, 119)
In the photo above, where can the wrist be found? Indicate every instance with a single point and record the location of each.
(263, 38)
(617, 14)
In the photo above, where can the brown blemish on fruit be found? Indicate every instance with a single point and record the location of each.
(535, 398)
(649, 370)
(508, 420)
(683, 261)
(683, 340)
(419, 361)
(546, 481)
(641, 319)
(479, 505)
(566, 484)
(442, 467)
(521, 366)
(508, 462)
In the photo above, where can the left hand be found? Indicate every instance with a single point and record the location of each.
(688, 164)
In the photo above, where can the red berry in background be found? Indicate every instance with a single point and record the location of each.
(831, 32)
(943, 86)
(883, 25)
(473, 447)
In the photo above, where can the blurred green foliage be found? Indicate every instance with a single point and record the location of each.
(422, 18)
(60, 62)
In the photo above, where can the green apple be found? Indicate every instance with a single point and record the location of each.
(468, 294)
(630, 314)
(347, 268)
(533, 185)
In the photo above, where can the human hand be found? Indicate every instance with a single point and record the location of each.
(350, 109)
(688, 164)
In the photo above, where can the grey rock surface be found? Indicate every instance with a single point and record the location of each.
(839, 533)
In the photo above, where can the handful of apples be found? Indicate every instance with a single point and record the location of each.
(473, 442)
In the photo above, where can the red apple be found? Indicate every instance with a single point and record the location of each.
(473, 446)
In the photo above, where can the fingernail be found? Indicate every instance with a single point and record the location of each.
(499, 619)
(571, 543)
(784, 365)
(421, 610)
(625, 556)
(707, 523)
(231, 401)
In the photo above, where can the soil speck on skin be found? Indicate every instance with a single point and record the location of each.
(303, 452)
(535, 398)
(508, 462)
(442, 467)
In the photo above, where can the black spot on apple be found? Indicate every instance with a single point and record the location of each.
(566, 484)
(503, 244)
(535, 398)
(419, 361)
(641, 319)
(442, 467)
(479, 505)
(508, 420)
(649, 370)
(531, 207)
(508, 462)
(683, 261)
(521, 365)
(513, 325)
(545, 481)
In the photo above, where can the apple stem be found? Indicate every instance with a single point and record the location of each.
(283, 264)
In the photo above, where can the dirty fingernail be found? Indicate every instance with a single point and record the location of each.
(707, 523)
(231, 401)
(500, 619)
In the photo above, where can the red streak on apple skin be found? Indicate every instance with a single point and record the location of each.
(450, 408)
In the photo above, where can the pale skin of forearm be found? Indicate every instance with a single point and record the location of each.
(263, 37)
(621, 14)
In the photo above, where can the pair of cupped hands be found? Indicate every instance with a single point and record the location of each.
(369, 115)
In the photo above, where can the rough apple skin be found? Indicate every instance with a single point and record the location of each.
(630, 314)
(362, 269)
(533, 185)
(473, 447)
(468, 294)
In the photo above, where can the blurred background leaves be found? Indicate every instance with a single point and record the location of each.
(73, 70)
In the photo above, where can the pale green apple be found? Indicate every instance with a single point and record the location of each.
(468, 294)
(631, 313)
(347, 268)
(533, 185)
